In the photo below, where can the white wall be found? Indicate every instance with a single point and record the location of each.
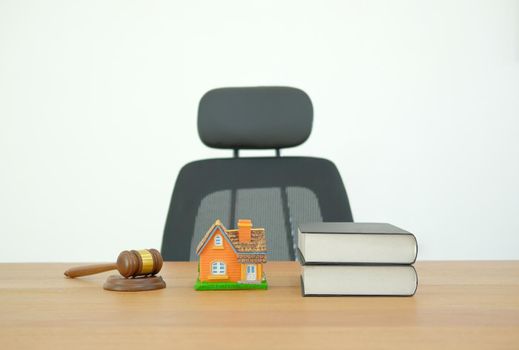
(417, 102)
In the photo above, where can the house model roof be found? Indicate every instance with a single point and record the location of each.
(253, 251)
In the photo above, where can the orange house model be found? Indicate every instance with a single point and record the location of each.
(232, 259)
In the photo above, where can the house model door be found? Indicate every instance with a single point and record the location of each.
(251, 272)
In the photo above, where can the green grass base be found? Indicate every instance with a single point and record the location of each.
(199, 285)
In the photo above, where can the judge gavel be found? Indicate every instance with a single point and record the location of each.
(130, 263)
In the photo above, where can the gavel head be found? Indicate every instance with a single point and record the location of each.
(133, 263)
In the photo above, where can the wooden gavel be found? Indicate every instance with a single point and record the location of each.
(130, 263)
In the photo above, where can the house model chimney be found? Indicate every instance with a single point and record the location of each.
(244, 230)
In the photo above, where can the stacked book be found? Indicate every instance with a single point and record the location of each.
(357, 259)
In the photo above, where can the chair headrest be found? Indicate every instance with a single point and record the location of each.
(255, 117)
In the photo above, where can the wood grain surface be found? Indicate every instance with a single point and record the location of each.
(458, 305)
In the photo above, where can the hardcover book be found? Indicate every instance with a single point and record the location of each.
(368, 280)
(356, 243)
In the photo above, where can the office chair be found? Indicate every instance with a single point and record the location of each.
(277, 193)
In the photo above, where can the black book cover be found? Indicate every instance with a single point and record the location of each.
(352, 228)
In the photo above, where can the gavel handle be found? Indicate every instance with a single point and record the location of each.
(89, 270)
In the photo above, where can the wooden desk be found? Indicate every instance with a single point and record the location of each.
(459, 305)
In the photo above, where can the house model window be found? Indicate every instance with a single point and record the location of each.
(218, 240)
(218, 268)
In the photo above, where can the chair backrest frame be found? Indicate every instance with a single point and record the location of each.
(198, 179)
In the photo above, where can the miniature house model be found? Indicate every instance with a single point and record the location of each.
(232, 259)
